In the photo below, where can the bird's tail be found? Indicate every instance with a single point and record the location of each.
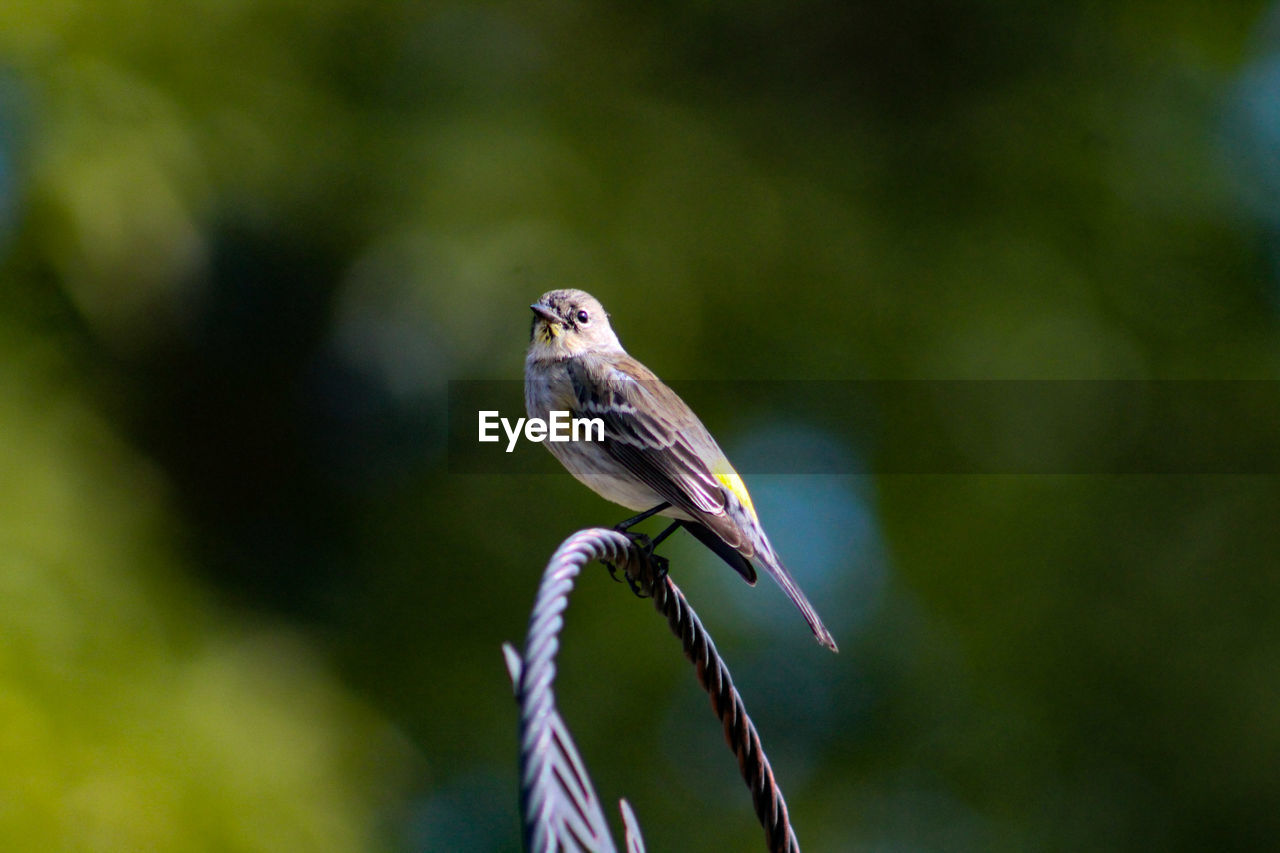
(768, 560)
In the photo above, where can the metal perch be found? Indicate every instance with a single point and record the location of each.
(558, 803)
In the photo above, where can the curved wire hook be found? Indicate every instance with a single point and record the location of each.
(558, 804)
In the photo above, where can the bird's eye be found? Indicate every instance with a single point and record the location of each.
(583, 316)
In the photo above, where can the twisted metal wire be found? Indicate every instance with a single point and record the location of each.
(558, 804)
(739, 732)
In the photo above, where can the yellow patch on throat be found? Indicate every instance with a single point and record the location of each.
(731, 481)
(548, 332)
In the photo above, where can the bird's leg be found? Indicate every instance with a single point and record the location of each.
(660, 564)
(657, 540)
(654, 567)
(623, 526)
(642, 542)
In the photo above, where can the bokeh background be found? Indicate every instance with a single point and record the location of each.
(245, 244)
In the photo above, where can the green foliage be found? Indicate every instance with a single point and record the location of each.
(136, 714)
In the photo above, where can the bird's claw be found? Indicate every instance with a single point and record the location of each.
(642, 560)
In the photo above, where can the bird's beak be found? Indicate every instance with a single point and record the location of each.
(546, 314)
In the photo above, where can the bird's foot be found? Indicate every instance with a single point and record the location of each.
(643, 569)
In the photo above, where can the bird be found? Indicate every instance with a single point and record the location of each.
(656, 456)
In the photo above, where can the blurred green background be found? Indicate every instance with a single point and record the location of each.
(244, 605)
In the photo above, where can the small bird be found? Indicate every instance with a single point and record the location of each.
(656, 455)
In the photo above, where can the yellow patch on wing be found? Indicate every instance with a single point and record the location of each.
(731, 481)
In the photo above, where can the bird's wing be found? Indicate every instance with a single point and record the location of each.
(650, 431)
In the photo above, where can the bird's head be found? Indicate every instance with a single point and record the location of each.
(568, 323)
